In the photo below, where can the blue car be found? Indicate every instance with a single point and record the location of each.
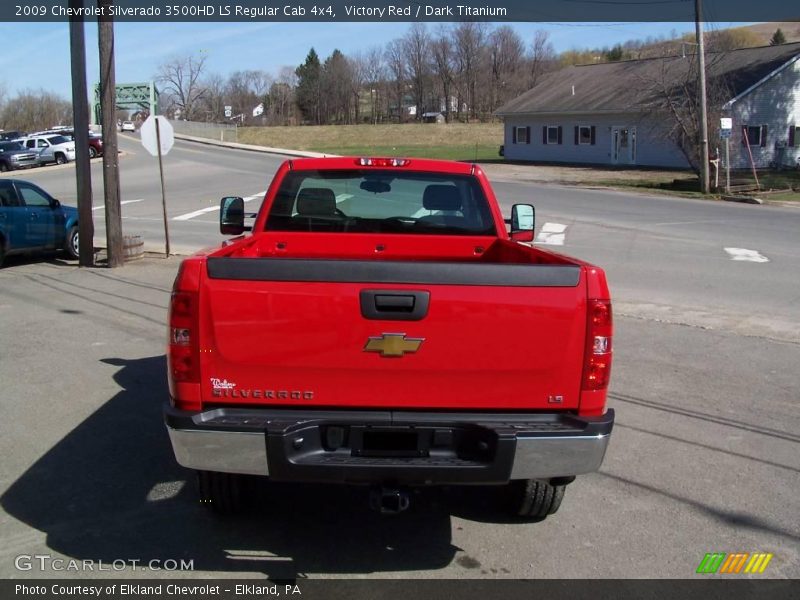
(31, 220)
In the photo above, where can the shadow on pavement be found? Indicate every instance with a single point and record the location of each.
(111, 490)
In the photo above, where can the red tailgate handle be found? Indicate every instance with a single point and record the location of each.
(390, 305)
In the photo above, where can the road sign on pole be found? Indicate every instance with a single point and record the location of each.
(228, 112)
(158, 137)
(153, 140)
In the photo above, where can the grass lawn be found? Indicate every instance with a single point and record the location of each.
(455, 141)
(787, 182)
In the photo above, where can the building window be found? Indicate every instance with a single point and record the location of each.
(794, 135)
(584, 135)
(552, 135)
(520, 135)
(756, 135)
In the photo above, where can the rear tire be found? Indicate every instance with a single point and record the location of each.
(71, 244)
(221, 492)
(534, 500)
(92, 152)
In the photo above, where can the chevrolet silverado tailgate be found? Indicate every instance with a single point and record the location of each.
(393, 334)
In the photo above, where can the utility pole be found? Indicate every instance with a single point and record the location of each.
(701, 53)
(108, 108)
(80, 126)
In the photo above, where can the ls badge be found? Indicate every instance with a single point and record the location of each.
(393, 344)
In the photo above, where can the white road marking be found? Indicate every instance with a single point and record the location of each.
(209, 209)
(552, 234)
(196, 213)
(102, 206)
(748, 255)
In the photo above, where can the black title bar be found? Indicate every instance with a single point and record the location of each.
(401, 10)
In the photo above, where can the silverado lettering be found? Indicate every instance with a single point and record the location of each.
(441, 347)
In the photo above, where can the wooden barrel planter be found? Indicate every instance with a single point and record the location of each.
(132, 247)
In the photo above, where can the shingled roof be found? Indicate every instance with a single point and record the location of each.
(627, 86)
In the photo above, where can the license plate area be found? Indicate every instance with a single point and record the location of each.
(395, 442)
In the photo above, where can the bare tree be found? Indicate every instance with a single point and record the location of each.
(507, 58)
(281, 98)
(396, 64)
(542, 57)
(374, 77)
(358, 74)
(213, 101)
(30, 110)
(671, 98)
(444, 65)
(181, 80)
(416, 46)
(469, 37)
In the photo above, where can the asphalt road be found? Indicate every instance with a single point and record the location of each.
(704, 457)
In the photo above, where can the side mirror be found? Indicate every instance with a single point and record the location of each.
(55, 204)
(523, 218)
(231, 216)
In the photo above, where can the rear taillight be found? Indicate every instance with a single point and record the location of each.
(599, 330)
(184, 348)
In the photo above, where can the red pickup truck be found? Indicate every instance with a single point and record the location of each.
(380, 326)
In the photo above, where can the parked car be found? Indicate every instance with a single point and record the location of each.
(6, 136)
(128, 126)
(51, 148)
(31, 220)
(95, 140)
(14, 155)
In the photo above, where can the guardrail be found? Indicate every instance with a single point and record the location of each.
(220, 132)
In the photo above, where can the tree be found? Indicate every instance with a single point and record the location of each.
(416, 46)
(542, 56)
(444, 65)
(180, 78)
(507, 56)
(777, 38)
(31, 110)
(469, 37)
(247, 89)
(336, 89)
(309, 80)
(213, 103)
(674, 100)
(374, 78)
(396, 64)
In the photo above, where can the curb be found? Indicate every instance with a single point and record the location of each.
(743, 199)
(252, 147)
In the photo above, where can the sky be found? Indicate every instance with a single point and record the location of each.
(36, 55)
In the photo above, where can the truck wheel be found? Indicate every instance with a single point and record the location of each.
(221, 492)
(60, 159)
(71, 245)
(533, 499)
(92, 152)
(3, 167)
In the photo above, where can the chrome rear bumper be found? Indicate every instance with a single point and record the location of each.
(470, 448)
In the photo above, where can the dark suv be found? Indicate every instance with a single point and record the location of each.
(14, 155)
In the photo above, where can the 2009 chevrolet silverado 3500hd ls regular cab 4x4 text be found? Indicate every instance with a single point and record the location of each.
(380, 326)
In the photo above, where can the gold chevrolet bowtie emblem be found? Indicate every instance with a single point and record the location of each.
(393, 344)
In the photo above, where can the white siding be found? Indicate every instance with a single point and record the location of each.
(776, 104)
(651, 147)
